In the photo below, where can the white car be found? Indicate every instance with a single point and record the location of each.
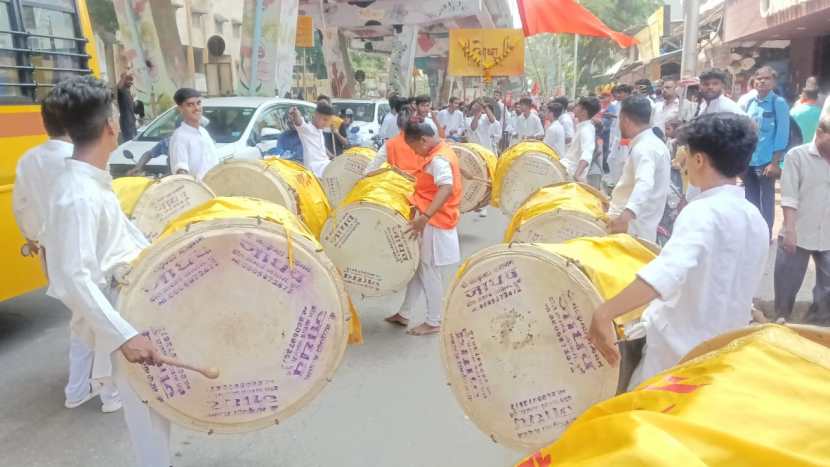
(242, 127)
(368, 117)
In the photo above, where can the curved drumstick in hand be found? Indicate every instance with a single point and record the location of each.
(210, 373)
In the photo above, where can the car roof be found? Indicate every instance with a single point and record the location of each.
(359, 101)
(250, 101)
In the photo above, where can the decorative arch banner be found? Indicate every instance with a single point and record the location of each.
(486, 52)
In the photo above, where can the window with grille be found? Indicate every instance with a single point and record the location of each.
(40, 44)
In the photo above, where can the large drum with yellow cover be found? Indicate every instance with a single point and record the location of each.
(514, 336)
(478, 165)
(240, 285)
(523, 169)
(153, 203)
(367, 237)
(559, 212)
(344, 171)
(279, 181)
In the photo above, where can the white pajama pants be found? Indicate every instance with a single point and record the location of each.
(149, 431)
(438, 247)
(81, 359)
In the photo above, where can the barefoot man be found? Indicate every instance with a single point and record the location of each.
(436, 200)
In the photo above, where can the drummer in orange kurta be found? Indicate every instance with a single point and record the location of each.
(436, 202)
(395, 151)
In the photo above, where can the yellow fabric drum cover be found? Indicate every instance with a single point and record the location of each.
(559, 212)
(344, 171)
(153, 204)
(478, 165)
(514, 341)
(819, 335)
(254, 297)
(523, 169)
(366, 239)
(283, 182)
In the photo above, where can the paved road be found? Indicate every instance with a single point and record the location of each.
(387, 406)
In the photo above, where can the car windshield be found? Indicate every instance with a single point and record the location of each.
(227, 124)
(363, 111)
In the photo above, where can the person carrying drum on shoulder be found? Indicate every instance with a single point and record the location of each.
(192, 150)
(702, 283)
(639, 198)
(90, 239)
(436, 203)
(37, 172)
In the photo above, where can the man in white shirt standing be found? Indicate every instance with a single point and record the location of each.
(89, 239)
(668, 108)
(452, 121)
(555, 134)
(618, 148)
(580, 153)
(702, 283)
(639, 199)
(806, 230)
(567, 120)
(484, 128)
(712, 83)
(528, 123)
(192, 150)
(389, 127)
(315, 155)
(35, 178)
(423, 107)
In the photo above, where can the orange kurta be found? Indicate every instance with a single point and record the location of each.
(426, 189)
(401, 156)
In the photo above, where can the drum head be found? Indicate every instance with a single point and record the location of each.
(819, 335)
(368, 245)
(166, 200)
(476, 192)
(341, 174)
(227, 294)
(253, 179)
(559, 226)
(528, 173)
(515, 347)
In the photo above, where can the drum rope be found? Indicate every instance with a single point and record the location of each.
(289, 247)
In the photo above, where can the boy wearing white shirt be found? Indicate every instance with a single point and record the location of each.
(567, 120)
(580, 153)
(452, 120)
(89, 238)
(192, 150)
(485, 129)
(37, 172)
(639, 198)
(315, 155)
(528, 124)
(555, 134)
(702, 283)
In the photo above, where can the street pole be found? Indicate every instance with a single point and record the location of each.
(688, 63)
(576, 64)
(191, 59)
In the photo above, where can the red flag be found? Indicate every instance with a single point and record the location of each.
(566, 16)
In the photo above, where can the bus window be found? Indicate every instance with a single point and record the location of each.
(8, 76)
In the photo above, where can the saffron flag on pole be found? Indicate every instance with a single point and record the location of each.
(566, 16)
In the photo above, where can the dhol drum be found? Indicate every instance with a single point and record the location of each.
(344, 172)
(478, 165)
(279, 181)
(153, 204)
(366, 236)
(514, 337)
(819, 335)
(559, 212)
(242, 286)
(523, 169)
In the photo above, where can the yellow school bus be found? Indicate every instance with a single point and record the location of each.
(41, 43)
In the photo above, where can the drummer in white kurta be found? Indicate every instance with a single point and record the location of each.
(702, 283)
(315, 155)
(639, 199)
(89, 241)
(35, 178)
(436, 202)
(192, 150)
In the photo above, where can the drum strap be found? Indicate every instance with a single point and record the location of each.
(289, 248)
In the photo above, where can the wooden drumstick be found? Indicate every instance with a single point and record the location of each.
(210, 373)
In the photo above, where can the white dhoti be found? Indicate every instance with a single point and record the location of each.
(149, 431)
(439, 249)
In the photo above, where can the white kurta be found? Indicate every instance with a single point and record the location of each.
(453, 123)
(706, 276)
(486, 134)
(389, 127)
(644, 185)
(34, 181)
(555, 138)
(315, 156)
(665, 111)
(529, 127)
(569, 124)
(581, 148)
(721, 104)
(192, 149)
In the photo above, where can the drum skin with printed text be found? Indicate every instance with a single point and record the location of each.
(344, 171)
(521, 170)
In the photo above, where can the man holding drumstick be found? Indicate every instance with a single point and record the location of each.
(702, 283)
(89, 239)
(436, 200)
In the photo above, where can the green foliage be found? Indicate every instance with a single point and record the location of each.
(102, 14)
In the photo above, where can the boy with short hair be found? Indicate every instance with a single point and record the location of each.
(192, 150)
(89, 239)
(702, 283)
(316, 156)
(580, 153)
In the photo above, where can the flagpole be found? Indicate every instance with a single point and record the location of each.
(576, 63)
